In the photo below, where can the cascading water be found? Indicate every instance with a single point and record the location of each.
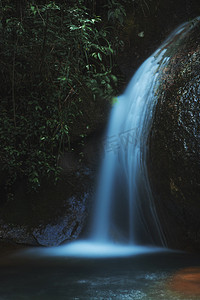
(127, 134)
(124, 168)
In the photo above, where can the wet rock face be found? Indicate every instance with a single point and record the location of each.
(64, 228)
(174, 166)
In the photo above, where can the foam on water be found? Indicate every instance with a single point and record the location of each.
(91, 249)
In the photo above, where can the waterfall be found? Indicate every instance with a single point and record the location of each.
(125, 155)
(125, 148)
(125, 220)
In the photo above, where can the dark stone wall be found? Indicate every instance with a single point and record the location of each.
(174, 161)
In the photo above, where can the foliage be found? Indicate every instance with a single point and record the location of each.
(53, 57)
(116, 11)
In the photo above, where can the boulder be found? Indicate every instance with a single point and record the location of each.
(174, 151)
(64, 228)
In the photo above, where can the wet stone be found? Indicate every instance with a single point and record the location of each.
(174, 164)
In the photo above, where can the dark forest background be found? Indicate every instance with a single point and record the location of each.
(61, 65)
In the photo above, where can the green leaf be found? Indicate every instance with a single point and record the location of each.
(99, 56)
